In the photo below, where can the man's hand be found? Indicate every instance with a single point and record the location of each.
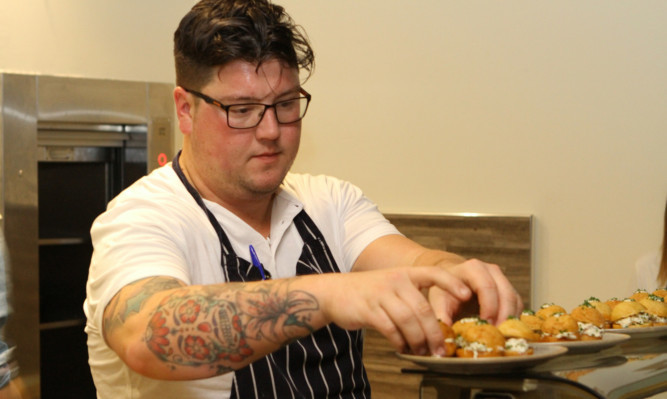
(391, 302)
(453, 283)
(496, 298)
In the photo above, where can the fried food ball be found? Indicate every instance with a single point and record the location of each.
(481, 340)
(450, 339)
(461, 325)
(630, 314)
(639, 294)
(587, 313)
(549, 309)
(603, 308)
(612, 302)
(661, 292)
(531, 320)
(656, 309)
(560, 327)
(515, 328)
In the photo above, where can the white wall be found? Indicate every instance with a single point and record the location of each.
(120, 39)
(554, 109)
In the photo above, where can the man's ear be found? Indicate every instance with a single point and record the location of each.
(184, 109)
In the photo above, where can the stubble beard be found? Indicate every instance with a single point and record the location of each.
(259, 188)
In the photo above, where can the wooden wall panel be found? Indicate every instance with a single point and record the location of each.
(503, 240)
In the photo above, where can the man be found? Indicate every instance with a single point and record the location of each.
(178, 306)
(11, 384)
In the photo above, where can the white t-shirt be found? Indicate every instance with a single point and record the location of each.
(646, 271)
(155, 228)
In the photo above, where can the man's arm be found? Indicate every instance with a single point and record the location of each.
(164, 329)
(496, 297)
(396, 250)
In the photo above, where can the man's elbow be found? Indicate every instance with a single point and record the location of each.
(140, 359)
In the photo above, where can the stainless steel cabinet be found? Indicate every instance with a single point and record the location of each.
(67, 146)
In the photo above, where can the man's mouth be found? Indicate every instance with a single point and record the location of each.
(267, 155)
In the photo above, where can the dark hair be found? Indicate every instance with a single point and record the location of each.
(216, 32)
(662, 273)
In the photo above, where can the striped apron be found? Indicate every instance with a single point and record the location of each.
(324, 364)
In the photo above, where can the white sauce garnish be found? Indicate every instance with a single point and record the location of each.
(590, 329)
(566, 335)
(518, 345)
(476, 348)
(460, 342)
(641, 318)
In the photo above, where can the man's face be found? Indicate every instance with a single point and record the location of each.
(238, 164)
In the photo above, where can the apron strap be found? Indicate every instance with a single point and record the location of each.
(224, 241)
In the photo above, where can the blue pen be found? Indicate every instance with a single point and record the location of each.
(256, 262)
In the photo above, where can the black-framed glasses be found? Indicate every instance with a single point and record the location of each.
(249, 115)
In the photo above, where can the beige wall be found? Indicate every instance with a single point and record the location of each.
(554, 109)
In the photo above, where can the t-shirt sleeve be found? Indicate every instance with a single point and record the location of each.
(345, 215)
(132, 242)
(363, 222)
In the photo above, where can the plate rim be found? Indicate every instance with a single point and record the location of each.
(616, 338)
(546, 353)
(637, 331)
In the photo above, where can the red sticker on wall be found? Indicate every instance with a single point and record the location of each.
(162, 159)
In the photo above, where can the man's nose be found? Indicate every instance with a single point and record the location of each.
(268, 128)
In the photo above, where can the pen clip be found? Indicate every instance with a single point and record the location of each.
(256, 262)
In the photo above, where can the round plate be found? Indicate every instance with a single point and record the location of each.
(641, 332)
(608, 340)
(486, 365)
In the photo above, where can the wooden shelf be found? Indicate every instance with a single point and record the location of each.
(62, 324)
(61, 241)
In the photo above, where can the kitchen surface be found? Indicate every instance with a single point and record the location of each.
(97, 159)
(549, 114)
(627, 363)
(633, 367)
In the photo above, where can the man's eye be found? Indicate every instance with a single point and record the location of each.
(288, 104)
(241, 110)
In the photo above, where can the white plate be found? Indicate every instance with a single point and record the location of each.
(608, 340)
(486, 365)
(641, 332)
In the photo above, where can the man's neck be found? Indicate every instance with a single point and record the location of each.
(255, 211)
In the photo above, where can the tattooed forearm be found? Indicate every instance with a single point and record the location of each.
(123, 306)
(210, 326)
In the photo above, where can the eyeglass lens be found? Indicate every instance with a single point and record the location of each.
(249, 115)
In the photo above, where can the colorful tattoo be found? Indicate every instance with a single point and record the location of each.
(215, 325)
(123, 306)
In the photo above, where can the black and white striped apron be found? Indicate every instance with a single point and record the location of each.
(325, 364)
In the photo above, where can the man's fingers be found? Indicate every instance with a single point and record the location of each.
(476, 274)
(429, 339)
(444, 305)
(509, 301)
(496, 296)
(386, 326)
(427, 277)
